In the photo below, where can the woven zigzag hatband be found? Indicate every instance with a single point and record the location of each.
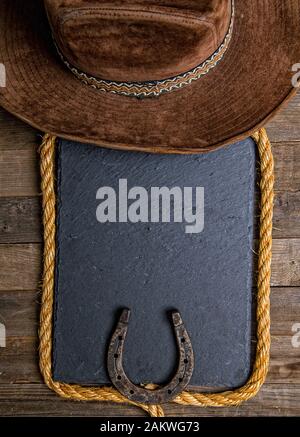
(154, 88)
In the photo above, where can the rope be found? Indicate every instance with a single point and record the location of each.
(224, 399)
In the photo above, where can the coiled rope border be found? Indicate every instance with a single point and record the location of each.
(224, 399)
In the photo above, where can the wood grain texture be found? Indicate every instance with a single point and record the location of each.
(286, 223)
(22, 391)
(287, 170)
(37, 400)
(20, 218)
(21, 265)
(285, 126)
(19, 173)
(15, 135)
(20, 312)
(286, 263)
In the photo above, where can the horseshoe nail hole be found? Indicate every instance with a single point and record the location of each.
(120, 337)
(116, 355)
(182, 340)
(169, 391)
(119, 377)
(186, 361)
(131, 392)
(180, 379)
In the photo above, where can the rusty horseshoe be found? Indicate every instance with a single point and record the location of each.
(138, 393)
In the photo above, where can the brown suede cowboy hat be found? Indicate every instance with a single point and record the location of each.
(156, 75)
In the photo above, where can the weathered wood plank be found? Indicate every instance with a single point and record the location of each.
(286, 223)
(20, 220)
(285, 126)
(20, 266)
(286, 263)
(19, 361)
(285, 307)
(20, 313)
(284, 370)
(282, 344)
(19, 174)
(49, 404)
(37, 400)
(287, 168)
(19, 310)
(14, 134)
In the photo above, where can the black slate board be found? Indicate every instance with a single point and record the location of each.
(154, 267)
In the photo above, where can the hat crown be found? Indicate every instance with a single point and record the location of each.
(138, 40)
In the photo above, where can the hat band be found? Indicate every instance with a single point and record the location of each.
(155, 88)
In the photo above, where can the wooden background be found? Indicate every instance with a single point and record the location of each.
(22, 391)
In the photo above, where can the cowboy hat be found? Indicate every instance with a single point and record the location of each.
(182, 76)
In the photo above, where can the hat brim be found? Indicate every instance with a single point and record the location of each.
(234, 99)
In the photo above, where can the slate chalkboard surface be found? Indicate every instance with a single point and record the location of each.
(205, 272)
